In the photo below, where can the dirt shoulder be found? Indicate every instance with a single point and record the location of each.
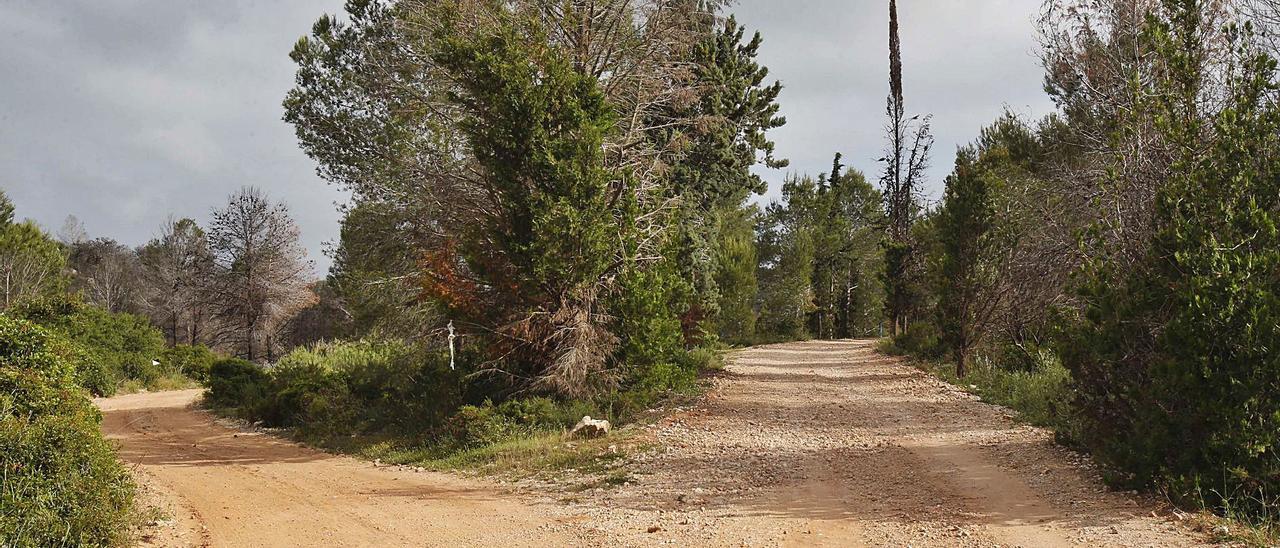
(226, 487)
(817, 443)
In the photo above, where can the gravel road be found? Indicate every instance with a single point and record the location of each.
(798, 444)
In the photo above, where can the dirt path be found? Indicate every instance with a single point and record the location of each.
(801, 444)
(231, 488)
(829, 443)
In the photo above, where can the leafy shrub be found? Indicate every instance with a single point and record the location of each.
(236, 383)
(1175, 358)
(191, 361)
(921, 339)
(705, 359)
(1040, 392)
(487, 424)
(343, 388)
(479, 425)
(118, 346)
(306, 394)
(62, 483)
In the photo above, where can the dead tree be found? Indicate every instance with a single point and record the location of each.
(259, 272)
(905, 161)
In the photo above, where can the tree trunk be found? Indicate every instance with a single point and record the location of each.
(962, 365)
(248, 339)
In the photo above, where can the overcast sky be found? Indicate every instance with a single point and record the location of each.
(123, 112)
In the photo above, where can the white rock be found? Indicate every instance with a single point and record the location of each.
(590, 428)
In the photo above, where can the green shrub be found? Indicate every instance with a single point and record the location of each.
(118, 346)
(480, 425)
(705, 359)
(1040, 391)
(237, 383)
(921, 339)
(193, 362)
(62, 483)
(343, 388)
(306, 394)
(486, 424)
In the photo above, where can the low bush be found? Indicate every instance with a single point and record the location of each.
(118, 347)
(342, 389)
(486, 424)
(62, 483)
(1040, 391)
(921, 339)
(351, 396)
(193, 362)
(237, 383)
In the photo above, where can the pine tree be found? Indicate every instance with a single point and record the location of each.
(724, 136)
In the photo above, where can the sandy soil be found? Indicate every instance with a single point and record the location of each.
(800, 444)
(226, 487)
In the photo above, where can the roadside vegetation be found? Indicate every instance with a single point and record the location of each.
(1110, 270)
(400, 404)
(552, 216)
(62, 483)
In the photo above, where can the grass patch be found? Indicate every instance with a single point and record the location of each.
(1041, 397)
(1240, 520)
(541, 454)
(163, 383)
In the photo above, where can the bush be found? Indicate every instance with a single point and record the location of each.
(921, 339)
(487, 424)
(118, 347)
(1040, 391)
(342, 389)
(62, 483)
(193, 362)
(236, 383)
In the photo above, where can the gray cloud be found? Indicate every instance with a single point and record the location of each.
(123, 112)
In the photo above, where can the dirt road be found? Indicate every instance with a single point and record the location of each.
(801, 444)
(227, 487)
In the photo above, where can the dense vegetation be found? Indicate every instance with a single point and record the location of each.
(1112, 271)
(62, 483)
(69, 331)
(570, 214)
(584, 228)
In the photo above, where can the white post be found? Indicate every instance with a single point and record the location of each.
(451, 338)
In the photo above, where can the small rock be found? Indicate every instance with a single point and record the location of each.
(590, 428)
(653, 529)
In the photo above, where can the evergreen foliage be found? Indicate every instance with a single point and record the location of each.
(820, 258)
(62, 483)
(31, 263)
(1175, 365)
(116, 346)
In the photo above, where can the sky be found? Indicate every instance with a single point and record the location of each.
(125, 112)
